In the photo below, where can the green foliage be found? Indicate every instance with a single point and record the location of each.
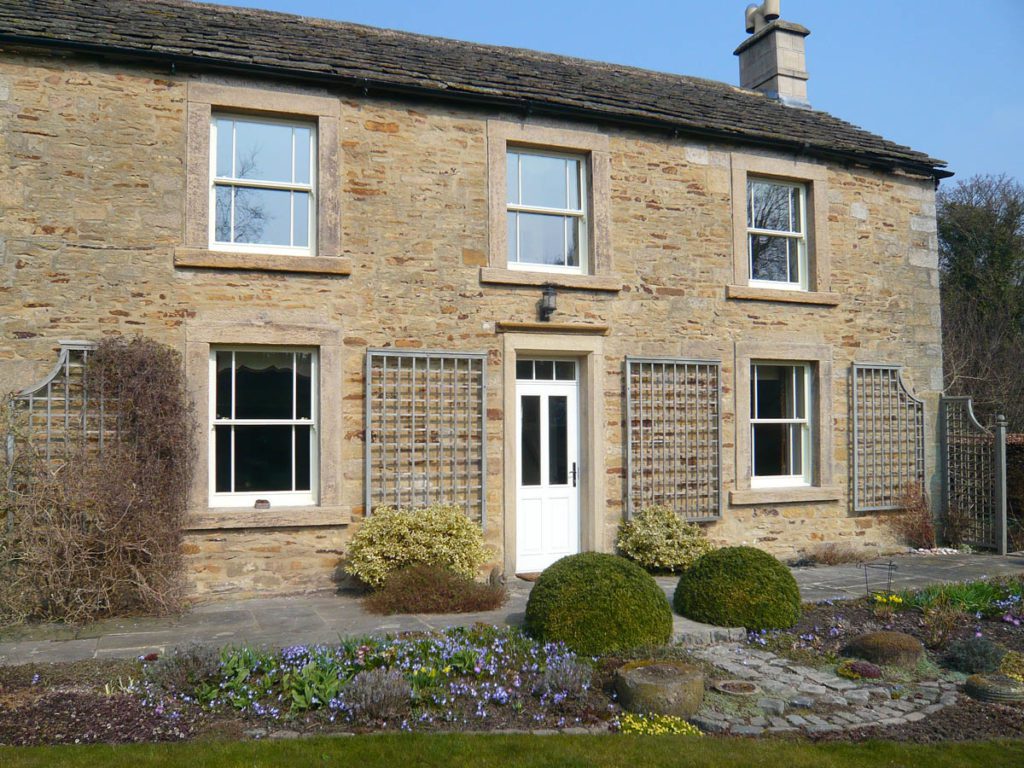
(187, 671)
(974, 655)
(982, 596)
(658, 540)
(739, 587)
(391, 539)
(423, 588)
(598, 603)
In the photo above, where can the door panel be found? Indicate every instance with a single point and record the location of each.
(547, 457)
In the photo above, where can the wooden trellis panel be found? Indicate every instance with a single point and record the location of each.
(974, 473)
(65, 412)
(426, 430)
(674, 436)
(888, 439)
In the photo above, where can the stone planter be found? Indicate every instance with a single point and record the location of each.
(994, 688)
(660, 687)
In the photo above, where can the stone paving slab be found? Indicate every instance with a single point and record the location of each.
(324, 617)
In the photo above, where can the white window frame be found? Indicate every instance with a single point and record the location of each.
(581, 214)
(276, 498)
(783, 481)
(800, 237)
(225, 181)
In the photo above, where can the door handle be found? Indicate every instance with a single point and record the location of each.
(574, 474)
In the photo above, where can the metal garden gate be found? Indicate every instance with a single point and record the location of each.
(974, 472)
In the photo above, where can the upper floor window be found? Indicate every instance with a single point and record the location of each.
(547, 211)
(263, 423)
(777, 234)
(780, 427)
(263, 185)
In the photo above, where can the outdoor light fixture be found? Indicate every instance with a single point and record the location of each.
(547, 302)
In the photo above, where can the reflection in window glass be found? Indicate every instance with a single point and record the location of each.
(558, 440)
(529, 406)
(776, 239)
(263, 182)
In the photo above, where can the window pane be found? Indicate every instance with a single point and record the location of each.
(565, 370)
(303, 139)
(530, 431)
(572, 244)
(223, 386)
(300, 219)
(543, 180)
(263, 458)
(513, 241)
(303, 454)
(512, 177)
(224, 146)
(263, 151)
(524, 369)
(771, 392)
(794, 247)
(769, 206)
(542, 239)
(796, 449)
(304, 385)
(545, 370)
(222, 459)
(769, 258)
(222, 215)
(796, 224)
(798, 407)
(771, 449)
(262, 216)
(558, 441)
(263, 385)
(574, 185)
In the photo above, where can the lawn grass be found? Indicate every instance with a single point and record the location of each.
(456, 750)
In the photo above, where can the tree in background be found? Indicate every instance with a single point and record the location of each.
(981, 260)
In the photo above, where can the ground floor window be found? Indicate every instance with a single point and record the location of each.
(263, 426)
(780, 426)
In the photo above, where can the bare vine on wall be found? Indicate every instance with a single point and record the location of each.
(98, 532)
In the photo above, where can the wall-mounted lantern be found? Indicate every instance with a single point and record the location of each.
(548, 302)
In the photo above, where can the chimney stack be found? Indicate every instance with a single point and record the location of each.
(772, 59)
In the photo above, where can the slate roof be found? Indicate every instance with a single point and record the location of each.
(200, 36)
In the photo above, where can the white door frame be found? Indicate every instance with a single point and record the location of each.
(587, 348)
(548, 513)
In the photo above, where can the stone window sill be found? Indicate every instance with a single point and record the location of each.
(751, 293)
(282, 517)
(750, 496)
(263, 262)
(511, 326)
(499, 276)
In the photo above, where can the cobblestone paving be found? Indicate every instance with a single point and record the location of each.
(799, 698)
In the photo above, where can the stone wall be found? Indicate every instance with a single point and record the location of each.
(92, 195)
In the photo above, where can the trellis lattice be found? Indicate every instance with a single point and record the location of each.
(970, 464)
(888, 439)
(426, 429)
(674, 433)
(65, 412)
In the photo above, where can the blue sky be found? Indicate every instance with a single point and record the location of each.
(942, 76)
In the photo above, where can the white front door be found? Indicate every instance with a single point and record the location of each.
(547, 463)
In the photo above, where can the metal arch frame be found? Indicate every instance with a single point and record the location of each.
(855, 432)
(641, 360)
(371, 353)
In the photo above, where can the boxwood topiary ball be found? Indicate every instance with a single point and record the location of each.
(598, 603)
(739, 587)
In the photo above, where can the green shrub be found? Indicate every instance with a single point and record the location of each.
(739, 587)
(598, 603)
(392, 539)
(887, 648)
(1012, 665)
(423, 588)
(975, 655)
(656, 539)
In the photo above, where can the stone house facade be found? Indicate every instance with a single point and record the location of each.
(404, 270)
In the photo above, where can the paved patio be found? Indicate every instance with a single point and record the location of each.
(324, 617)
